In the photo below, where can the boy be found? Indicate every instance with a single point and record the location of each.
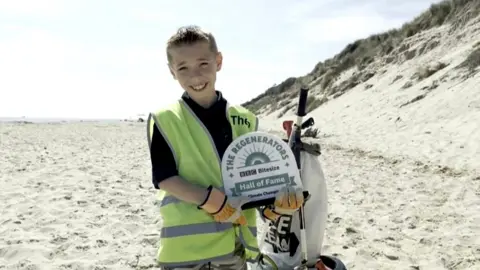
(202, 227)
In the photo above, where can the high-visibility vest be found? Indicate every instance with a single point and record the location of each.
(190, 235)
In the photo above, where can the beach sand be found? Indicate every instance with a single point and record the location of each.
(79, 196)
(76, 196)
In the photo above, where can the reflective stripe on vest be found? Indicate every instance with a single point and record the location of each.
(200, 228)
(244, 243)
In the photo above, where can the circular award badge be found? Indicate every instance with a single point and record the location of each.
(257, 165)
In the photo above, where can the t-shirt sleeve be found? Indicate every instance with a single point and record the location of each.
(162, 159)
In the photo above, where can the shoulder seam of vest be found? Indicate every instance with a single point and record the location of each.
(169, 106)
(149, 135)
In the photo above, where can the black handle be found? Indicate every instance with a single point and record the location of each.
(302, 102)
(269, 201)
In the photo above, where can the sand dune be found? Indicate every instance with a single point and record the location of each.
(435, 120)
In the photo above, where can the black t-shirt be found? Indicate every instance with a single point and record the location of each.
(215, 120)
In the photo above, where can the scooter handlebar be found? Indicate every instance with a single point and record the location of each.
(302, 102)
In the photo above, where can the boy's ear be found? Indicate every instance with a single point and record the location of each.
(219, 60)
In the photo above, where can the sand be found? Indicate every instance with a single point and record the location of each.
(79, 196)
(76, 196)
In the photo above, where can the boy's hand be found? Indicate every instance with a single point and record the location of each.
(287, 201)
(223, 208)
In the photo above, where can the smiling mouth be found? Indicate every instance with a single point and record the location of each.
(199, 87)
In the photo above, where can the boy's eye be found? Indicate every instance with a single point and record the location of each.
(204, 64)
(181, 68)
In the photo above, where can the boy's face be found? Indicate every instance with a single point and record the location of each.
(195, 67)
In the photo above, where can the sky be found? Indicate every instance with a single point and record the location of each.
(106, 58)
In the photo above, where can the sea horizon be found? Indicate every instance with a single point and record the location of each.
(65, 119)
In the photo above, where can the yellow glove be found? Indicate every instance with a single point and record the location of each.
(223, 208)
(287, 201)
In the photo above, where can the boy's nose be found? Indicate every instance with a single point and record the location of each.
(196, 76)
(197, 72)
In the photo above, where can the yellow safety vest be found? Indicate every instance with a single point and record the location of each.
(190, 235)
